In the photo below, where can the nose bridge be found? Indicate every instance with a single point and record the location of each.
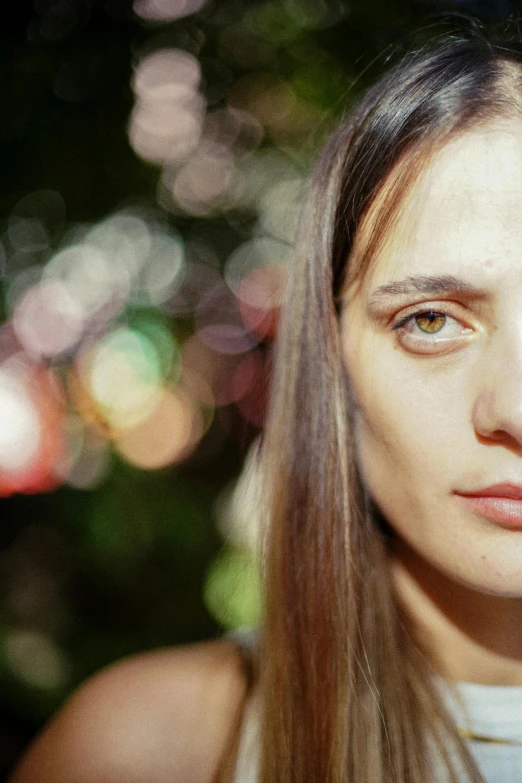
(498, 404)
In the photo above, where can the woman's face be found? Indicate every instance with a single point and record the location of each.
(432, 338)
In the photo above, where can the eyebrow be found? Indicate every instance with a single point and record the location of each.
(444, 284)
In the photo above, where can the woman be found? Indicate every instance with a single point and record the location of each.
(392, 642)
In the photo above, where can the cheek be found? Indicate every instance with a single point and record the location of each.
(401, 467)
(411, 426)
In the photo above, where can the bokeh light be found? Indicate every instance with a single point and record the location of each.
(163, 273)
(232, 590)
(167, 435)
(207, 374)
(200, 186)
(151, 329)
(87, 273)
(245, 47)
(36, 659)
(219, 324)
(48, 320)
(20, 430)
(85, 461)
(98, 302)
(36, 220)
(167, 119)
(316, 13)
(31, 434)
(268, 98)
(123, 374)
(166, 10)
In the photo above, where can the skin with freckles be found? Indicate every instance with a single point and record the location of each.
(432, 339)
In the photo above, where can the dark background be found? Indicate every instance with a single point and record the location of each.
(133, 557)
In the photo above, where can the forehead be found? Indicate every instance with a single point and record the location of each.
(462, 215)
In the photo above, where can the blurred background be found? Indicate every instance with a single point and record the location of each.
(152, 159)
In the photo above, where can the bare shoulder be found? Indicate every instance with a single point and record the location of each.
(164, 716)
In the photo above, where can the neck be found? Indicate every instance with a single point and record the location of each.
(469, 636)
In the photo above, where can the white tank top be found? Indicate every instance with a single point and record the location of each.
(488, 711)
(492, 711)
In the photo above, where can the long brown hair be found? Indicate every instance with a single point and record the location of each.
(348, 696)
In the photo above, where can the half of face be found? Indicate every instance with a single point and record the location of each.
(432, 340)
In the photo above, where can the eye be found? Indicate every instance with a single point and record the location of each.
(429, 330)
(429, 322)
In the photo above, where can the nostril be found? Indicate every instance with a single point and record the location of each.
(501, 438)
(497, 411)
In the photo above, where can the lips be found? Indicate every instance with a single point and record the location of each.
(513, 491)
(499, 503)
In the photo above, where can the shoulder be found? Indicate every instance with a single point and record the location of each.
(162, 716)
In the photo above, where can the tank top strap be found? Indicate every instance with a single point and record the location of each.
(246, 641)
(240, 762)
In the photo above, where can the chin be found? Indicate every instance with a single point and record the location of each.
(502, 581)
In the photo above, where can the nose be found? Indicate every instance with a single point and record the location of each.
(497, 410)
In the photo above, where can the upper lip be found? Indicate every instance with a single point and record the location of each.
(513, 491)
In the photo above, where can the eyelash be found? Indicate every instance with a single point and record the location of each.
(416, 314)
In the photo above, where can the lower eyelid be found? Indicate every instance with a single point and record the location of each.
(434, 341)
